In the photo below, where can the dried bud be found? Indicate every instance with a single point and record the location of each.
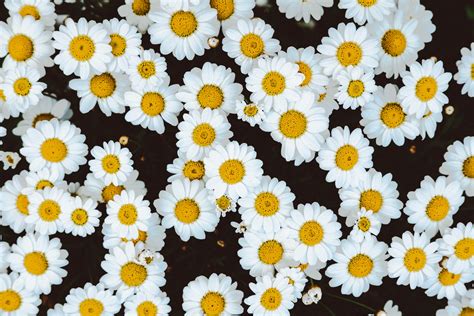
(123, 140)
(213, 42)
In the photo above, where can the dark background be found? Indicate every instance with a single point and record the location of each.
(152, 152)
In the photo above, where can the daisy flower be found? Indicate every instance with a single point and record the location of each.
(15, 203)
(317, 233)
(274, 82)
(431, 207)
(428, 124)
(40, 10)
(390, 309)
(213, 86)
(80, 217)
(56, 311)
(184, 31)
(229, 12)
(83, 48)
(56, 145)
(216, 295)
(346, 155)
(356, 87)
(9, 159)
(233, 170)
(24, 41)
(185, 206)
(296, 278)
(183, 168)
(313, 271)
(371, 11)
(414, 259)
(147, 70)
(448, 284)
(137, 12)
(267, 207)
(424, 87)
(457, 306)
(128, 277)
(224, 204)
(271, 297)
(147, 303)
(15, 298)
(125, 41)
(459, 164)
(251, 113)
(111, 162)
(366, 225)
(327, 100)
(457, 244)
(39, 261)
(299, 126)
(385, 120)
(414, 10)
(465, 76)
(128, 213)
(348, 46)
(106, 89)
(4, 251)
(249, 40)
(358, 266)
(91, 299)
(304, 9)
(201, 131)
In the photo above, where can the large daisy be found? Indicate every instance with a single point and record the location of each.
(229, 12)
(457, 244)
(371, 11)
(465, 74)
(270, 297)
(147, 70)
(15, 203)
(91, 300)
(40, 10)
(15, 298)
(304, 9)
(111, 162)
(356, 87)
(137, 12)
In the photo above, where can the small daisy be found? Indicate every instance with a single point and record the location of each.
(356, 88)
(185, 206)
(201, 131)
(147, 70)
(15, 298)
(414, 10)
(80, 217)
(251, 113)
(465, 74)
(4, 251)
(317, 233)
(424, 87)
(267, 207)
(358, 266)
(111, 162)
(212, 87)
(296, 278)
(141, 304)
(125, 41)
(327, 100)
(224, 204)
(233, 170)
(448, 284)
(432, 206)
(313, 271)
(371, 11)
(106, 89)
(414, 259)
(56, 145)
(184, 31)
(366, 225)
(458, 245)
(91, 300)
(9, 159)
(299, 126)
(274, 82)
(14, 203)
(385, 120)
(346, 155)
(137, 12)
(229, 12)
(249, 40)
(428, 124)
(216, 295)
(348, 46)
(459, 164)
(39, 261)
(182, 168)
(304, 9)
(83, 48)
(240, 228)
(40, 10)
(272, 297)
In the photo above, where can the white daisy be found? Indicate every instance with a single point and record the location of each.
(4, 251)
(15, 298)
(465, 74)
(224, 204)
(304, 9)
(111, 162)
(14, 203)
(371, 11)
(346, 155)
(182, 168)
(251, 113)
(413, 9)
(92, 300)
(448, 284)
(327, 100)
(296, 278)
(457, 244)
(356, 87)
(390, 309)
(9, 159)
(147, 303)
(80, 217)
(457, 306)
(137, 12)
(216, 295)
(40, 10)
(428, 124)
(313, 271)
(229, 12)
(366, 225)
(147, 70)
(272, 297)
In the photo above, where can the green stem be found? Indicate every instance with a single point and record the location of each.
(351, 301)
(328, 309)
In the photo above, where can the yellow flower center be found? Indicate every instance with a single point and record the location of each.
(447, 278)
(223, 203)
(42, 117)
(349, 53)
(472, 71)
(232, 171)
(2, 96)
(346, 157)
(82, 48)
(30, 10)
(79, 217)
(111, 164)
(210, 96)
(194, 170)
(146, 69)
(438, 208)
(306, 71)
(110, 191)
(426, 88)
(355, 88)
(464, 248)
(392, 115)
(467, 311)
(251, 110)
(187, 211)
(141, 7)
(394, 42)
(293, 124)
(204, 135)
(360, 266)
(133, 274)
(415, 259)
(22, 86)
(252, 45)
(22, 203)
(273, 83)
(311, 233)
(270, 252)
(49, 210)
(212, 304)
(225, 8)
(364, 224)
(147, 308)
(118, 44)
(152, 104)
(103, 85)
(371, 200)
(35, 263)
(267, 204)
(271, 299)
(367, 3)
(91, 307)
(322, 97)
(142, 236)
(468, 167)
(20, 47)
(127, 214)
(43, 184)
(183, 23)
(10, 301)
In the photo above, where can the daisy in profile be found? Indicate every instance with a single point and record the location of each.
(216, 295)
(356, 87)
(44, 178)
(464, 76)
(261, 253)
(80, 217)
(385, 120)
(346, 155)
(327, 100)
(201, 131)
(414, 259)
(137, 12)
(185, 206)
(144, 303)
(147, 70)
(365, 226)
(24, 41)
(304, 9)
(40, 10)
(111, 162)
(371, 11)
(428, 124)
(274, 83)
(271, 297)
(299, 126)
(448, 284)
(91, 299)
(431, 207)
(39, 261)
(125, 41)
(233, 170)
(348, 46)
(105, 89)
(56, 145)
(414, 10)
(229, 12)
(296, 278)
(424, 87)
(83, 48)
(15, 203)
(184, 31)
(459, 164)
(15, 298)
(358, 266)
(317, 232)
(125, 275)
(249, 40)
(182, 168)
(224, 204)
(213, 86)
(457, 244)
(251, 113)
(267, 207)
